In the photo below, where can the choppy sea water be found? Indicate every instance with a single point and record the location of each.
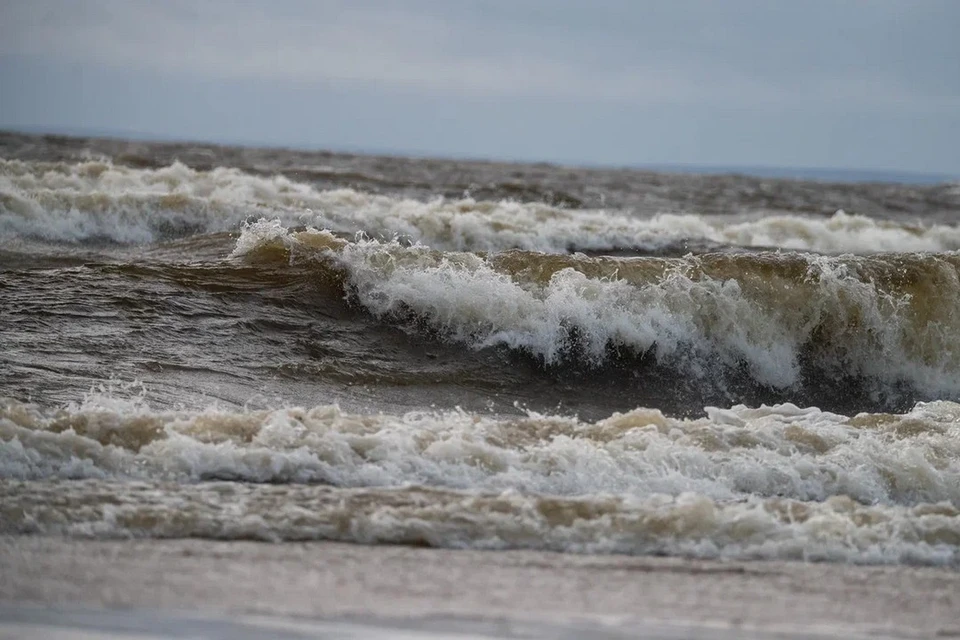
(201, 341)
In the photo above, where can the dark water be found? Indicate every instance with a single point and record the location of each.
(124, 270)
(454, 329)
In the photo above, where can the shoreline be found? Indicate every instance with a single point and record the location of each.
(425, 591)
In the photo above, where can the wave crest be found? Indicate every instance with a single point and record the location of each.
(887, 318)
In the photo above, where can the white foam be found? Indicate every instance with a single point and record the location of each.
(688, 524)
(776, 482)
(840, 233)
(97, 199)
(733, 454)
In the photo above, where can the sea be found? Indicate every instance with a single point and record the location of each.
(203, 341)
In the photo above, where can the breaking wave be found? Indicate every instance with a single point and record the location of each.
(770, 482)
(98, 200)
(731, 454)
(779, 317)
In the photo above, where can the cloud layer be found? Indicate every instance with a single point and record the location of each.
(883, 53)
(771, 60)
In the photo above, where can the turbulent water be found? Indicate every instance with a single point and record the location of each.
(202, 341)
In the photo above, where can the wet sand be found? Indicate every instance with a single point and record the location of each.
(69, 588)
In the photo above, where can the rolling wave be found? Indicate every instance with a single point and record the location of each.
(97, 200)
(780, 317)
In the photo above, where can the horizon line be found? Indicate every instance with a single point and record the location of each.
(772, 171)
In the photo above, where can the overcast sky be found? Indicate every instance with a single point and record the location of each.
(842, 83)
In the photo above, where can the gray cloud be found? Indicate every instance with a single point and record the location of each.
(881, 52)
(800, 72)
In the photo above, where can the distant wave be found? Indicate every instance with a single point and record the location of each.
(100, 201)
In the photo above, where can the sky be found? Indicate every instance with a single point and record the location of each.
(864, 84)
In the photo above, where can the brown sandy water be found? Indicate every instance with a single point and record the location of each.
(205, 346)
